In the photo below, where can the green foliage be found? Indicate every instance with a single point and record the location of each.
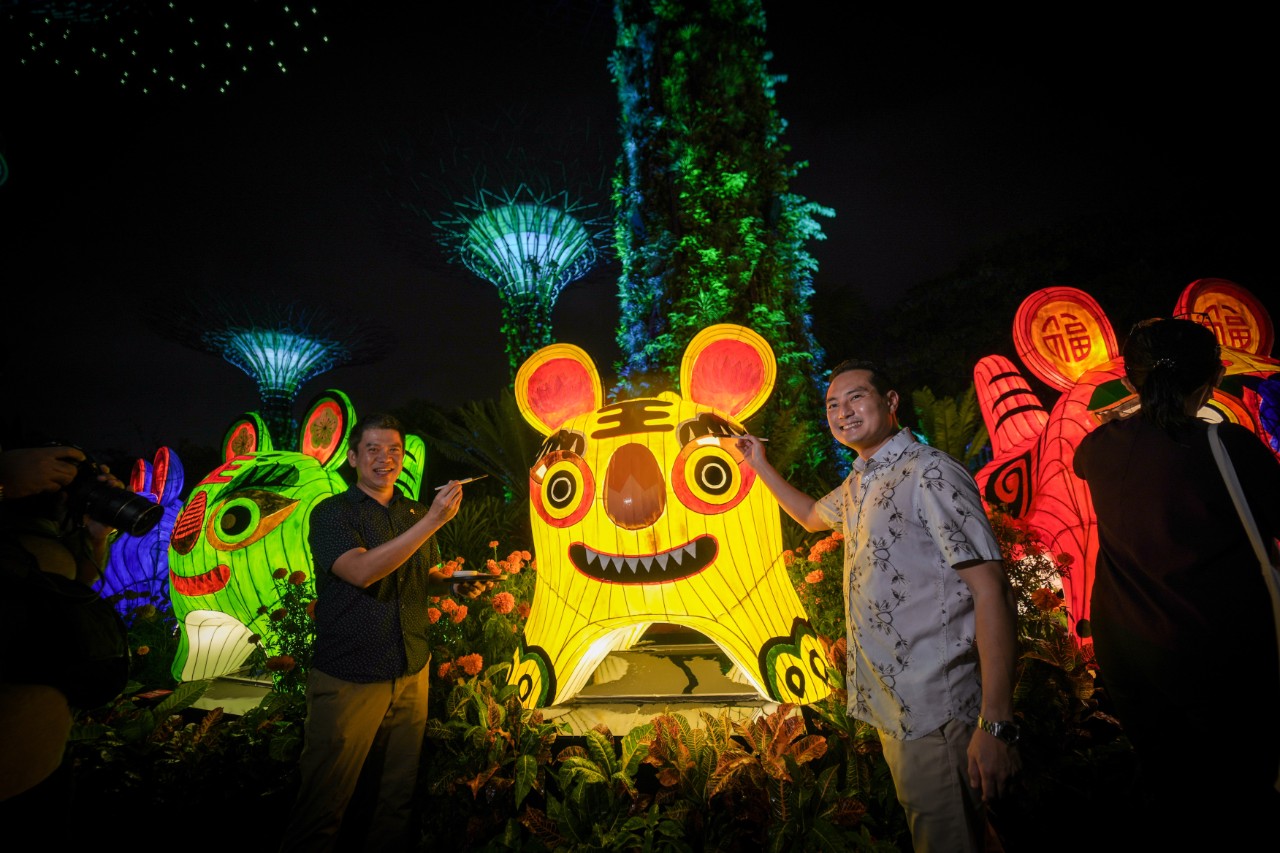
(476, 632)
(488, 436)
(153, 642)
(817, 572)
(293, 633)
(953, 426)
(486, 756)
(708, 231)
(155, 749)
(480, 520)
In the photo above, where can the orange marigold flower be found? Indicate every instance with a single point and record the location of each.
(279, 615)
(433, 615)
(814, 577)
(788, 557)
(525, 555)
(311, 608)
(254, 639)
(144, 650)
(504, 602)
(448, 605)
(281, 663)
(444, 669)
(492, 566)
(522, 609)
(493, 544)
(298, 578)
(1045, 599)
(1065, 559)
(471, 664)
(459, 614)
(280, 573)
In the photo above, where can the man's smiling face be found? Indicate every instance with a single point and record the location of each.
(860, 417)
(379, 459)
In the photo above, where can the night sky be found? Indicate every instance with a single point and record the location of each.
(927, 136)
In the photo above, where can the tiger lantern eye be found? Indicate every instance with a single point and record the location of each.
(709, 477)
(561, 488)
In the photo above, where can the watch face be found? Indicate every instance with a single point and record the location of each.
(1007, 732)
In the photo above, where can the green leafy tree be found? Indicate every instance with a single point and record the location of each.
(707, 229)
(952, 425)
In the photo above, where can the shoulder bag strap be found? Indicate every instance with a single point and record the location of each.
(1237, 497)
(1246, 518)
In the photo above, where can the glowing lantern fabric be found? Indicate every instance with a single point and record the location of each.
(643, 511)
(249, 518)
(1066, 340)
(138, 568)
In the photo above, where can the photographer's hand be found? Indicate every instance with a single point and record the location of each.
(38, 470)
(97, 537)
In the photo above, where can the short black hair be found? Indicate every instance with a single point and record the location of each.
(879, 379)
(377, 420)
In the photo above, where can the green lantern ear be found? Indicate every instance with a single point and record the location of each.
(323, 432)
(247, 434)
(415, 465)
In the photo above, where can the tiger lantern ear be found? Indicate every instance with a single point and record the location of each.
(1061, 333)
(322, 434)
(555, 384)
(248, 434)
(729, 368)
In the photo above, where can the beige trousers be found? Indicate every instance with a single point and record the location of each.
(363, 739)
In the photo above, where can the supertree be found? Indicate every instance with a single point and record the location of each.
(529, 245)
(280, 345)
(521, 209)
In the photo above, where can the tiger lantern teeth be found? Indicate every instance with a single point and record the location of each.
(674, 564)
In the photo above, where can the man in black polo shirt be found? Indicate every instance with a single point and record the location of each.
(375, 560)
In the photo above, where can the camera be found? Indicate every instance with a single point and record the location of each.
(122, 509)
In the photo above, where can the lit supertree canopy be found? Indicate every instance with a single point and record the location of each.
(522, 204)
(281, 346)
(526, 247)
(175, 46)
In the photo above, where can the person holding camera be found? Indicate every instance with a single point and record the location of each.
(64, 648)
(36, 509)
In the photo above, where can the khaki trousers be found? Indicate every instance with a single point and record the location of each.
(363, 741)
(931, 776)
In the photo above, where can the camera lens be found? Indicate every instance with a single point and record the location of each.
(122, 509)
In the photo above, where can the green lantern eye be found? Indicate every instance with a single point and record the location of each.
(245, 517)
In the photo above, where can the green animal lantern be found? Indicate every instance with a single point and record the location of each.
(247, 520)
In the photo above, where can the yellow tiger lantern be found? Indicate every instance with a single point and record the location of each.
(643, 511)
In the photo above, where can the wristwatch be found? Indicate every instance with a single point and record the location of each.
(1006, 730)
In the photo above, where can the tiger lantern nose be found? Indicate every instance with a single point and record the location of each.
(635, 494)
